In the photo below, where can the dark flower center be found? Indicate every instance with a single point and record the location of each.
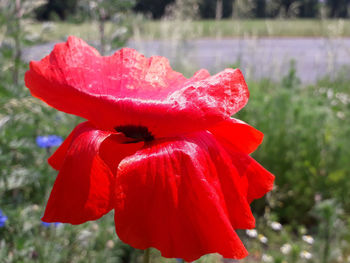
(139, 133)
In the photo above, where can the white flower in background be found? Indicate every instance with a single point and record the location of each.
(94, 227)
(266, 258)
(262, 239)
(330, 94)
(252, 233)
(318, 198)
(84, 237)
(305, 255)
(322, 90)
(286, 248)
(344, 98)
(3, 120)
(341, 115)
(84, 234)
(35, 208)
(276, 226)
(308, 239)
(110, 244)
(2, 244)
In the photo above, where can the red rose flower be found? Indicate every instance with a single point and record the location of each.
(158, 148)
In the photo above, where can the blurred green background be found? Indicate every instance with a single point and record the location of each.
(306, 218)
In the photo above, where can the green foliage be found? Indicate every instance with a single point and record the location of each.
(255, 8)
(338, 8)
(243, 8)
(14, 34)
(106, 9)
(25, 239)
(68, 9)
(182, 10)
(291, 80)
(156, 9)
(330, 228)
(57, 9)
(113, 10)
(306, 143)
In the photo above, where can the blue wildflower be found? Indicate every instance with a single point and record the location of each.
(48, 141)
(3, 219)
(49, 224)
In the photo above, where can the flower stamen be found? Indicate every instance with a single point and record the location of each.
(140, 133)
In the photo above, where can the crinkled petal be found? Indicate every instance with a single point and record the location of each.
(129, 89)
(243, 137)
(84, 187)
(182, 196)
(223, 94)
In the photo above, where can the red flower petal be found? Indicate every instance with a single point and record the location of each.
(83, 188)
(182, 196)
(57, 158)
(257, 179)
(243, 137)
(129, 89)
(223, 94)
(260, 181)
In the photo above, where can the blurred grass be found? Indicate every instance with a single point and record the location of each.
(147, 29)
(259, 28)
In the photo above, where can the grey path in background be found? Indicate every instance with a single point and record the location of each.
(257, 57)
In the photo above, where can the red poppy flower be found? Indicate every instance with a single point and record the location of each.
(158, 148)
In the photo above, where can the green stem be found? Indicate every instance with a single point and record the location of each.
(327, 241)
(17, 58)
(146, 256)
